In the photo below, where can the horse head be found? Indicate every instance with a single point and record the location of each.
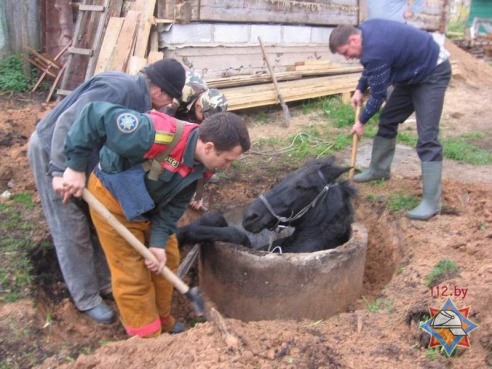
(296, 194)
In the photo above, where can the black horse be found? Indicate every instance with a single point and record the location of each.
(211, 227)
(310, 200)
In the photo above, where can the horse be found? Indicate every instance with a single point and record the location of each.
(211, 227)
(312, 201)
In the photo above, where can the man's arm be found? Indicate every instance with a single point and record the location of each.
(378, 78)
(124, 131)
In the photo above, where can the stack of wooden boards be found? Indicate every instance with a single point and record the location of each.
(130, 43)
(304, 80)
(125, 46)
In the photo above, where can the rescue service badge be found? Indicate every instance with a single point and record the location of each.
(174, 163)
(127, 122)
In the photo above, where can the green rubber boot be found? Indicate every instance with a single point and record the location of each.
(383, 151)
(431, 196)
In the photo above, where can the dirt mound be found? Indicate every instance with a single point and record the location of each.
(472, 70)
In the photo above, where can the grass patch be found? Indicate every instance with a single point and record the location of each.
(400, 201)
(455, 148)
(12, 76)
(443, 270)
(15, 245)
(459, 149)
(379, 305)
(407, 138)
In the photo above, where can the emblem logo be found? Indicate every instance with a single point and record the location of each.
(174, 163)
(127, 123)
(449, 327)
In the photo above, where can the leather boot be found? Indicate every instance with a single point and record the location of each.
(431, 194)
(383, 151)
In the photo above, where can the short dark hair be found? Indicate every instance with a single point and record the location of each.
(225, 130)
(340, 36)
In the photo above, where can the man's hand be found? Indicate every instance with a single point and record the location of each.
(57, 184)
(160, 255)
(357, 99)
(358, 129)
(73, 184)
(197, 205)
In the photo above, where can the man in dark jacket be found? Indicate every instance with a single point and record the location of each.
(81, 259)
(410, 59)
(140, 201)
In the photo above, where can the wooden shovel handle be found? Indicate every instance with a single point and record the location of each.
(132, 240)
(355, 141)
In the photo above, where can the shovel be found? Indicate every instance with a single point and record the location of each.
(192, 294)
(355, 141)
(274, 79)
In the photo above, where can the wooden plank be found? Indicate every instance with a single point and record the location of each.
(125, 41)
(91, 8)
(261, 95)
(322, 62)
(319, 12)
(115, 8)
(155, 56)
(135, 65)
(96, 45)
(144, 26)
(250, 79)
(108, 50)
(154, 41)
(80, 51)
(306, 70)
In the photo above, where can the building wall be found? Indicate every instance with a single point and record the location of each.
(226, 49)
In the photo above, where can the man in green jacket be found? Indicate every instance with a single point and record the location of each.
(142, 202)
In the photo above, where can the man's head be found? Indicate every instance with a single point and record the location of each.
(222, 139)
(346, 40)
(166, 81)
(210, 102)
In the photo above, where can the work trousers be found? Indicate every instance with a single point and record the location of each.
(143, 297)
(426, 99)
(81, 259)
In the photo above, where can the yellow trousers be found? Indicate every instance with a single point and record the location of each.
(143, 297)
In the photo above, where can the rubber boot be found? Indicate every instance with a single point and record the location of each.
(383, 151)
(431, 196)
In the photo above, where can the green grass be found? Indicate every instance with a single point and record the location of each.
(12, 76)
(379, 305)
(455, 148)
(459, 149)
(400, 201)
(25, 199)
(339, 118)
(15, 245)
(444, 268)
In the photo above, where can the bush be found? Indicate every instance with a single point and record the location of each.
(12, 76)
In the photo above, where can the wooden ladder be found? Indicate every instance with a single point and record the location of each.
(93, 52)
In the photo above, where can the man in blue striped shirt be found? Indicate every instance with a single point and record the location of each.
(408, 58)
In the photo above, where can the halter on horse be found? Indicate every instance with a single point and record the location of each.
(311, 201)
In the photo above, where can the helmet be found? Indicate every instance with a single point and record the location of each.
(212, 101)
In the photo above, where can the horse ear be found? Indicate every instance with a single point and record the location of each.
(333, 172)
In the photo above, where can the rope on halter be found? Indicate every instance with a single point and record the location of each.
(301, 213)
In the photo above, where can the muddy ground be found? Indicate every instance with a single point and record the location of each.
(401, 253)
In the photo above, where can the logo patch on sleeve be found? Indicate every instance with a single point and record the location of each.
(127, 122)
(174, 163)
